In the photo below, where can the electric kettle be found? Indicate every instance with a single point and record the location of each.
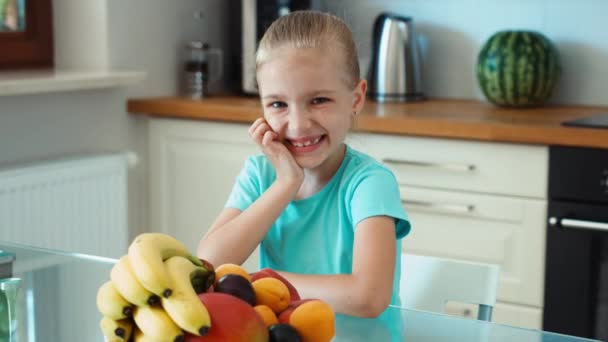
(394, 73)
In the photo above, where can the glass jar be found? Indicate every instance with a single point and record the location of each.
(202, 66)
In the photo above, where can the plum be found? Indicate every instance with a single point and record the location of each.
(238, 286)
(283, 333)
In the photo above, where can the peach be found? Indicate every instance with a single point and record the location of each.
(232, 319)
(268, 316)
(313, 319)
(271, 292)
(267, 272)
(224, 269)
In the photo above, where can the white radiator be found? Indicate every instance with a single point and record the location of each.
(77, 205)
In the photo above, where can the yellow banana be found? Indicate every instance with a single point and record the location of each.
(116, 331)
(138, 336)
(111, 304)
(146, 255)
(184, 307)
(128, 286)
(154, 322)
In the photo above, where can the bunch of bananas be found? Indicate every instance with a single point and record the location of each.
(152, 293)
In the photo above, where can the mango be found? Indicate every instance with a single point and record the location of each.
(267, 272)
(313, 319)
(232, 319)
(272, 293)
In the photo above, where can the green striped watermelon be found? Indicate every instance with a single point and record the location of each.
(518, 68)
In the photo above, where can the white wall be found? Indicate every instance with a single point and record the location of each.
(151, 35)
(454, 31)
(133, 35)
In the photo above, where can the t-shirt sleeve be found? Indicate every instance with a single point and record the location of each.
(377, 194)
(246, 187)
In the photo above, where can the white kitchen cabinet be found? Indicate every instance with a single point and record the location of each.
(497, 168)
(193, 166)
(486, 228)
(475, 201)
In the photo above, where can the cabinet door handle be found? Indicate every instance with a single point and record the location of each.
(444, 166)
(444, 207)
(577, 224)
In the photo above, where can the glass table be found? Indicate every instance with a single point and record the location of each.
(59, 305)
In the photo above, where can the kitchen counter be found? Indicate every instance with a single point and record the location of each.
(443, 118)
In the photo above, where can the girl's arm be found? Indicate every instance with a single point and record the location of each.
(234, 235)
(368, 290)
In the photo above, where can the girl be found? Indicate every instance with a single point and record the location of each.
(328, 218)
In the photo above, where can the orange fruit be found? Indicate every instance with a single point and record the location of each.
(267, 315)
(272, 293)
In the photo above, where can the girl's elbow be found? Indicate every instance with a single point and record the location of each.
(372, 304)
(375, 307)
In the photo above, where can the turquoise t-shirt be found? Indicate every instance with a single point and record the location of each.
(315, 235)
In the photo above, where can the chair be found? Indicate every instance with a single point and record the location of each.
(428, 283)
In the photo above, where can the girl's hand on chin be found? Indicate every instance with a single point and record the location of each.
(281, 159)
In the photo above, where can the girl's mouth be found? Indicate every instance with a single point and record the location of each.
(305, 145)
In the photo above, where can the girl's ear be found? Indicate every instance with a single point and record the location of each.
(359, 96)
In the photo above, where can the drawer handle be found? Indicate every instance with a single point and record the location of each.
(577, 224)
(445, 207)
(444, 166)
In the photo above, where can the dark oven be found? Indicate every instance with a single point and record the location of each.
(576, 278)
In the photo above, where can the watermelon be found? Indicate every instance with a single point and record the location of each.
(518, 68)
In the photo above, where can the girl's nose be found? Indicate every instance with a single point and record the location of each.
(299, 119)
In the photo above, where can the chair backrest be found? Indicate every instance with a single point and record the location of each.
(428, 283)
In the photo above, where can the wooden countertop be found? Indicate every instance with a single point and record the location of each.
(459, 119)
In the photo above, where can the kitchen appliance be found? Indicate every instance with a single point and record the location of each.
(594, 121)
(257, 15)
(394, 74)
(576, 278)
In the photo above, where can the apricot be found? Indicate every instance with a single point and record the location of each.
(268, 316)
(224, 269)
(313, 319)
(268, 272)
(272, 293)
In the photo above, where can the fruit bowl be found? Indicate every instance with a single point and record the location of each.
(159, 291)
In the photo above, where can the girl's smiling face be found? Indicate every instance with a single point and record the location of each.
(308, 102)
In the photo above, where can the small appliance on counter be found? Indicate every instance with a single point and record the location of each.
(599, 120)
(257, 15)
(394, 74)
(202, 67)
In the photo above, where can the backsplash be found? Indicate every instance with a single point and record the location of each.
(452, 32)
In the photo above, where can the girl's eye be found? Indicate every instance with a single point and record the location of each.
(319, 100)
(278, 104)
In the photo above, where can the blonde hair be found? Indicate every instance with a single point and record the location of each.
(311, 29)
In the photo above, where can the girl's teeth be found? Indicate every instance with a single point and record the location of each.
(307, 143)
